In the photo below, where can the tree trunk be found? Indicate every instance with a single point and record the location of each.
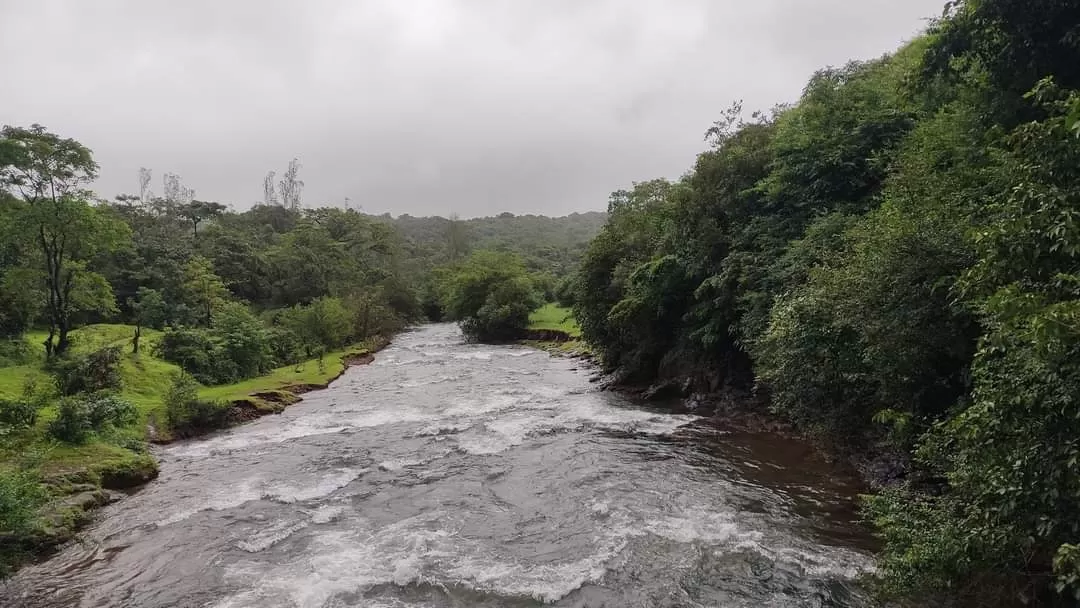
(63, 341)
(135, 339)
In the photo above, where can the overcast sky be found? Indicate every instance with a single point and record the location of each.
(418, 106)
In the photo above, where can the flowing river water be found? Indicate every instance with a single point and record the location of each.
(447, 474)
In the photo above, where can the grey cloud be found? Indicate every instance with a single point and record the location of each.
(425, 106)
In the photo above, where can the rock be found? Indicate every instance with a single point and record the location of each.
(140, 469)
(669, 389)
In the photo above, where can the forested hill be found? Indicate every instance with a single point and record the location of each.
(894, 263)
(547, 244)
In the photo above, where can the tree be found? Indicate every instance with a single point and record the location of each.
(203, 290)
(65, 230)
(291, 187)
(145, 176)
(270, 198)
(491, 295)
(197, 212)
(148, 309)
(457, 238)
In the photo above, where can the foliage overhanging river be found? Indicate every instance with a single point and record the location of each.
(447, 474)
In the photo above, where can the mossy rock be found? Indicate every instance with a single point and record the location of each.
(128, 473)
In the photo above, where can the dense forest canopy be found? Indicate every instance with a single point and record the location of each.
(893, 263)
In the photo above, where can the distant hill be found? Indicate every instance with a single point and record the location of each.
(553, 244)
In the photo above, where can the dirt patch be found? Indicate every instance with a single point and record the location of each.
(299, 389)
(358, 359)
(547, 335)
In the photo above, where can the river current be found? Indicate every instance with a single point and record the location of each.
(446, 474)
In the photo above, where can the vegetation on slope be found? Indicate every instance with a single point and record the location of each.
(894, 262)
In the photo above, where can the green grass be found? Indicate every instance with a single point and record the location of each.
(308, 372)
(553, 316)
(146, 380)
(145, 377)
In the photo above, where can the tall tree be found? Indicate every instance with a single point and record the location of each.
(145, 175)
(198, 212)
(56, 220)
(203, 289)
(457, 238)
(269, 194)
(291, 186)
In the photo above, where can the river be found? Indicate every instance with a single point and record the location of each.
(446, 474)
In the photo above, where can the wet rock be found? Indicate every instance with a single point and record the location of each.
(669, 389)
(128, 474)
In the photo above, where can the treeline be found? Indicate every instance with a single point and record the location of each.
(552, 245)
(238, 293)
(894, 263)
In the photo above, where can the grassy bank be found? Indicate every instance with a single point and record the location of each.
(55, 484)
(554, 318)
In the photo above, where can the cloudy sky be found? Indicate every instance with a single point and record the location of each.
(418, 106)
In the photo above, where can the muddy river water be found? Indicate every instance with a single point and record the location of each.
(446, 474)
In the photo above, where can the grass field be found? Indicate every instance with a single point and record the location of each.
(553, 316)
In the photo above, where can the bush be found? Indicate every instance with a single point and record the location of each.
(243, 341)
(491, 296)
(185, 411)
(505, 314)
(196, 352)
(371, 316)
(238, 346)
(286, 347)
(78, 417)
(15, 352)
(21, 493)
(323, 325)
(566, 291)
(22, 413)
(97, 371)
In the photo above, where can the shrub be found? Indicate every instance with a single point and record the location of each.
(237, 346)
(372, 316)
(16, 414)
(285, 346)
(14, 352)
(21, 494)
(196, 352)
(243, 341)
(72, 422)
(184, 410)
(566, 291)
(78, 417)
(97, 371)
(22, 413)
(491, 295)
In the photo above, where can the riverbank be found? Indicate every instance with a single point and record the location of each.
(732, 402)
(552, 328)
(62, 484)
(369, 493)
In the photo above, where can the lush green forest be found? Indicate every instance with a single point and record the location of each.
(546, 244)
(893, 263)
(148, 317)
